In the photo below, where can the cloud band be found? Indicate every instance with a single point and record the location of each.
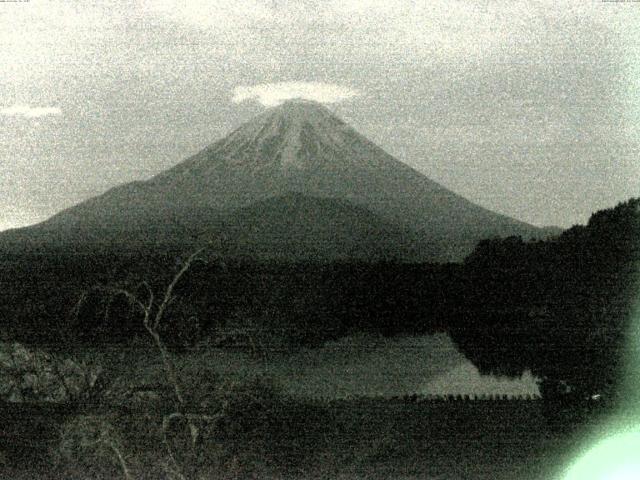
(271, 94)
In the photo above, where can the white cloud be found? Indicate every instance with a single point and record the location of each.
(28, 111)
(271, 94)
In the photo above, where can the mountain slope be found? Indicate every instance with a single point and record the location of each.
(297, 227)
(300, 147)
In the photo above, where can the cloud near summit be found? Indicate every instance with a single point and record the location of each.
(272, 94)
(27, 111)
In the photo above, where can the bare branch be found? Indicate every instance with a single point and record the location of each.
(191, 419)
(151, 297)
(133, 299)
(166, 423)
(107, 308)
(168, 295)
(118, 453)
(75, 311)
(152, 323)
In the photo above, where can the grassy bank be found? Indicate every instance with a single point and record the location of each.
(274, 436)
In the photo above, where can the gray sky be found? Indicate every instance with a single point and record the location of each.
(530, 109)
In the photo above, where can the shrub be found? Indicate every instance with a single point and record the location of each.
(33, 375)
(90, 447)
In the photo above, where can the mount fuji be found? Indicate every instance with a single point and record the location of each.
(294, 183)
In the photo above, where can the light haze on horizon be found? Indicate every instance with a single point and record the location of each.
(529, 109)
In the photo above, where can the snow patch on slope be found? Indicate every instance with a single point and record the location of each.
(284, 133)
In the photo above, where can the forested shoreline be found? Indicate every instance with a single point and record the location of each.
(558, 307)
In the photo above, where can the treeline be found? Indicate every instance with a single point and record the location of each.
(561, 308)
(232, 302)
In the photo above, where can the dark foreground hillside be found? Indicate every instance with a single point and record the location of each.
(284, 438)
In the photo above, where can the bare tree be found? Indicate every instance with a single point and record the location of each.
(153, 309)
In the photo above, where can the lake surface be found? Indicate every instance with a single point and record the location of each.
(376, 366)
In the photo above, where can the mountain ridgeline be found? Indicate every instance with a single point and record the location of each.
(294, 183)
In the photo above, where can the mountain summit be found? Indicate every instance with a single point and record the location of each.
(288, 138)
(298, 151)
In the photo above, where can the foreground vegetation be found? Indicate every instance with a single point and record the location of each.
(266, 435)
